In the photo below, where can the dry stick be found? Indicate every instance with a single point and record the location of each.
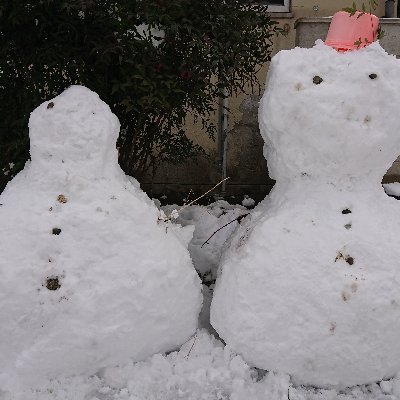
(191, 348)
(188, 197)
(194, 201)
(238, 219)
(206, 242)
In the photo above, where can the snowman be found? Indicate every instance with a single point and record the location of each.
(88, 276)
(310, 285)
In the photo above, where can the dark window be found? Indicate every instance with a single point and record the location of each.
(277, 5)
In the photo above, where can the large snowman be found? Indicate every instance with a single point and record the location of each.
(311, 283)
(88, 276)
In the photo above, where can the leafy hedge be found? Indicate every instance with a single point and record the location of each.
(152, 61)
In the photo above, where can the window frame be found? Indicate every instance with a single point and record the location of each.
(285, 8)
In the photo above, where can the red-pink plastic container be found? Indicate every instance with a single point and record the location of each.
(351, 32)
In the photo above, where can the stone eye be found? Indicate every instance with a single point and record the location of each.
(317, 80)
(53, 283)
(373, 76)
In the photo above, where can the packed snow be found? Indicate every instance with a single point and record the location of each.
(392, 189)
(89, 275)
(203, 368)
(213, 225)
(248, 202)
(310, 285)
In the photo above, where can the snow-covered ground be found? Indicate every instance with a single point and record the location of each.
(203, 369)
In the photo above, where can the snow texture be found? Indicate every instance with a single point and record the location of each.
(203, 369)
(392, 189)
(88, 276)
(248, 202)
(213, 225)
(311, 283)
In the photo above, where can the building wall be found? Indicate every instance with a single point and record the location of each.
(246, 165)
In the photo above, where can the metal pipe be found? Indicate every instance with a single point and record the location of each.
(222, 138)
(389, 9)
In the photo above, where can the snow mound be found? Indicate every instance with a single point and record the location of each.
(311, 285)
(203, 369)
(248, 202)
(88, 275)
(392, 189)
(213, 225)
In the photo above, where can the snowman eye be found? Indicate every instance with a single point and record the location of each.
(349, 260)
(53, 283)
(373, 76)
(317, 80)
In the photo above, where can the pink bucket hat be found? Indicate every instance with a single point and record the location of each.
(351, 32)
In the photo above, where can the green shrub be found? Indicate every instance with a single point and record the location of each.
(152, 80)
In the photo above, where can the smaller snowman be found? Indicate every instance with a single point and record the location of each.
(311, 283)
(88, 276)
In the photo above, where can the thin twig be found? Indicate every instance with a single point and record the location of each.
(194, 341)
(188, 196)
(238, 219)
(194, 201)
(169, 218)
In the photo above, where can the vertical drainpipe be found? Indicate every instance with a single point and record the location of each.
(389, 9)
(222, 138)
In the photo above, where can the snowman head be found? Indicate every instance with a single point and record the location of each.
(331, 115)
(74, 131)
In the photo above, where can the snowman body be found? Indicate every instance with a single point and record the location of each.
(88, 277)
(310, 285)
